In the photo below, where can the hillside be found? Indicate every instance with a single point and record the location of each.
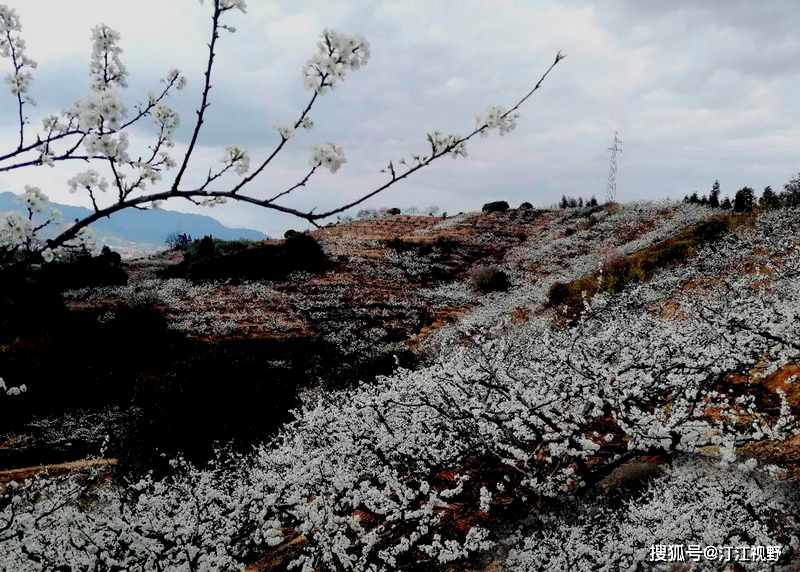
(638, 355)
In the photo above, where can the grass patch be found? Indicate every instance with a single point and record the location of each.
(641, 266)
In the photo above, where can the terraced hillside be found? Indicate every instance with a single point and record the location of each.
(632, 386)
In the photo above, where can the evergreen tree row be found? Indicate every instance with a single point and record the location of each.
(571, 202)
(745, 199)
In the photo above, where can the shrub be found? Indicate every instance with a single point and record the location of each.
(394, 211)
(590, 221)
(399, 244)
(490, 279)
(558, 294)
(264, 262)
(709, 231)
(571, 202)
(622, 272)
(443, 245)
(84, 270)
(304, 252)
(109, 257)
(224, 247)
(672, 252)
(694, 198)
(569, 296)
(495, 207)
(526, 206)
(209, 247)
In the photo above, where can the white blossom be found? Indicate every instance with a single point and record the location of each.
(174, 75)
(441, 143)
(19, 82)
(286, 131)
(51, 123)
(106, 68)
(214, 201)
(88, 180)
(337, 54)
(168, 119)
(15, 229)
(34, 199)
(12, 46)
(12, 390)
(307, 123)
(330, 156)
(485, 499)
(237, 158)
(498, 117)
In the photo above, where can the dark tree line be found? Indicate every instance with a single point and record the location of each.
(572, 202)
(745, 199)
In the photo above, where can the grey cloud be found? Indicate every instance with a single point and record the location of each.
(698, 91)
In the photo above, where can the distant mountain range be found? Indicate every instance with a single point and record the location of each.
(147, 228)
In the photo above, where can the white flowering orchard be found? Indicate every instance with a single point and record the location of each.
(415, 470)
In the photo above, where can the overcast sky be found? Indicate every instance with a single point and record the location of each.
(698, 91)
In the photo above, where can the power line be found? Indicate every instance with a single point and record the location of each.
(611, 188)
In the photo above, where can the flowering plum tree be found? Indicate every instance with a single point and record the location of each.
(94, 130)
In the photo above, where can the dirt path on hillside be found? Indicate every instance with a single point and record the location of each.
(52, 470)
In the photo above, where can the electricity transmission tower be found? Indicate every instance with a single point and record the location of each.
(611, 188)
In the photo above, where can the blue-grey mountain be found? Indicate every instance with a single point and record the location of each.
(145, 226)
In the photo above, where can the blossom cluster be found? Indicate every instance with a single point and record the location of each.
(88, 180)
(330, 155)
(237, 158)
(12, 390)
(168, 119)
(16, 229)
(106, 68)
(338, 53)
(451, 144)
(498, 117)
(34, 199)
(12, 46)
(285, 131)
